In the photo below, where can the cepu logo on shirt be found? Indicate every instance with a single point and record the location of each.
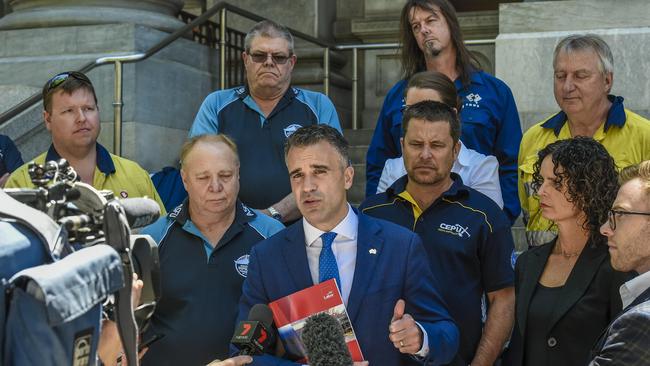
(455, 229)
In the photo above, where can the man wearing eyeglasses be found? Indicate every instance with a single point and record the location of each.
(261, 115)
(627, 339)
(71, 115)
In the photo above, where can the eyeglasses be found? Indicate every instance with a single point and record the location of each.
(262, 57)
(59, 79)
(611, 216)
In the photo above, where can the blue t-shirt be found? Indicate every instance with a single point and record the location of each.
(260, 139)
(490, 125)
(469, 244)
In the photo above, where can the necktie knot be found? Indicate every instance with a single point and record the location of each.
(328, 239)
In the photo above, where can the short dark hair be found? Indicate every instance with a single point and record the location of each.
(431, 111)
(437, 81)
(413, 58)
(313, 134)
(590, 175)
(69, 82)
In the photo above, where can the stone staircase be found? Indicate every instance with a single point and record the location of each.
(359, 141)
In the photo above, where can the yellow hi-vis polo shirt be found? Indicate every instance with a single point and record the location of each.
(122, 176)
(625, 135)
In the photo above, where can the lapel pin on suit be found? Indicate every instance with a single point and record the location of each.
(372, 251)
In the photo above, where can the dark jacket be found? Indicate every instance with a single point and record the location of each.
(589, 300)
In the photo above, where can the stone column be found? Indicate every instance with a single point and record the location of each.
(159, 14)
(161, 95)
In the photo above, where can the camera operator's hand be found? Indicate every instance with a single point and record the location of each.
(110, 346)
(235, 361)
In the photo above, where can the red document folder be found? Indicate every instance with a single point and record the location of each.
(291, 312)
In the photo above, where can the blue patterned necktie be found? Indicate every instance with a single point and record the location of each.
(327, 267)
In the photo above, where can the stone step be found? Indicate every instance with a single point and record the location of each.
(358, 154)
(358, 137)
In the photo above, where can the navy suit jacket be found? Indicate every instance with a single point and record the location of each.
(399, 270)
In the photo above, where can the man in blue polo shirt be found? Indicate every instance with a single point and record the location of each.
(262, 115)
(465, 234)
(432, 41)
(203, 246)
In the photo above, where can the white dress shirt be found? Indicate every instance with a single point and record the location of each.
(631, 289)
(345, 252)
(478, 171)
(344, 248)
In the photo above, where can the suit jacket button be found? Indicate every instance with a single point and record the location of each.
(552, 342)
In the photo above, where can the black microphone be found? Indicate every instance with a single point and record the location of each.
(325, 342)
(254, 336)
(140, 212)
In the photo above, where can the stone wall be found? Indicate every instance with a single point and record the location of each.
(528, 33)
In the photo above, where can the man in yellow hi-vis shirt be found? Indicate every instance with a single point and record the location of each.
(583, 67)
(72, 117)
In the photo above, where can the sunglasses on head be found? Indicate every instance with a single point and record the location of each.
(259, 57)
(59, 79)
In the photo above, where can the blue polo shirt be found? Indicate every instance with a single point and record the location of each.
(490, 125)
(10, 158)
(201, 285)
(260, 139)
(469, 244)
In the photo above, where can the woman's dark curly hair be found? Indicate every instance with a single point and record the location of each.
(590, 175)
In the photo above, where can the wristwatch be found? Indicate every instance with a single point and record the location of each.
(274, 213)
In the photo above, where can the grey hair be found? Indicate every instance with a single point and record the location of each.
(270, 29)
(587, 42)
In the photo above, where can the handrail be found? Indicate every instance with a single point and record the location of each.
(221, 6)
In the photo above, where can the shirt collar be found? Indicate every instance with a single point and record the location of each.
(348, 228)
(104, 160)
(615, 116)
(243, 214)
(457, 187)
(464, 158)
(474, 78)
(633, 288)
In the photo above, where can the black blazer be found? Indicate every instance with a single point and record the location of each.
(589, 300)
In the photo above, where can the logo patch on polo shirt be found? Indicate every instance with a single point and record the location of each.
(289, 130)
(473, 99)
(241, 265)
(124, 194)
(247, 211)
(455, 229)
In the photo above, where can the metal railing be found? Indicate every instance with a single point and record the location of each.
(378, 46)
(222, 8)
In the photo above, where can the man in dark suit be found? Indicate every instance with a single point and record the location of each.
(627, 339)
(381, 268)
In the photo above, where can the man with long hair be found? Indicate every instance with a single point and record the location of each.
(431, 40)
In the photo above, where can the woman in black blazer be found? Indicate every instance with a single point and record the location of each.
(566, 290)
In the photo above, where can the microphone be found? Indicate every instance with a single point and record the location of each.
(140, 212)
(254, 336)
(325, 343)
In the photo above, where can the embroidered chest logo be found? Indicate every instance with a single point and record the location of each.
(289, 130)
(473, 99)
(124, 194)
(241, 265)
(247, 211)
(176, 211)
(456, 229)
